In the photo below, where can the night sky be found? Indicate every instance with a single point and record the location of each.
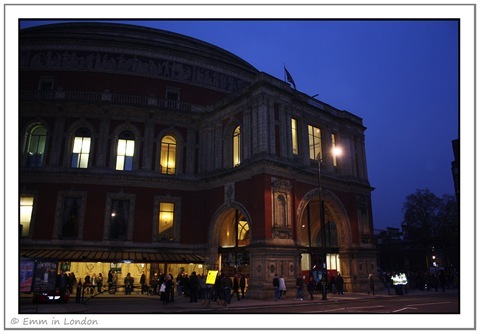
(400, 76)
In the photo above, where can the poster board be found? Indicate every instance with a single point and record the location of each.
(45, 277)
(27, 268)
(211, 276)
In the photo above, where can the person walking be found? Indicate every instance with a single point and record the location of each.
(371, 284)
(227, 289)
(283, 287)
(168, 288)
(276, 287)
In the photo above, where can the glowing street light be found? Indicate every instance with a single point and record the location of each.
(335, 152)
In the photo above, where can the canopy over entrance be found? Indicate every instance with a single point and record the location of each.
(110, 256)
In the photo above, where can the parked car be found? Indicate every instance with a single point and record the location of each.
(50, 297)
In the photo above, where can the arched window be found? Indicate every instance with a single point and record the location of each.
(81, 148)
(36, 146)
(236, 146)
(168, 155)
(125, 151)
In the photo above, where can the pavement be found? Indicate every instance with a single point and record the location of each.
(143, 303)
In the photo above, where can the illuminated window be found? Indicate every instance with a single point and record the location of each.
(26, 209)
(236, 146)
(314, 142)
(294, 136)
(125, 151)
(36, 146)
(81, 149)
(243, 230)
(334, 156)
(168, 155)
(165, 221)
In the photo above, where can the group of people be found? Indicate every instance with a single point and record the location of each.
(280, 288)
(195, 287)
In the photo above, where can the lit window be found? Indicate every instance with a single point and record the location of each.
(314, 142)
(236, 146)
(26, 209)
(294, 136)
(334, 155)
(36, 146)
(165, 221)
(125, 151)
(81, 149)
(243, 230)
(168, 155)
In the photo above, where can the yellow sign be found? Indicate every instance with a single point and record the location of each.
(211, 276)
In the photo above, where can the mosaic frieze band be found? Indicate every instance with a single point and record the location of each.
(111, 62)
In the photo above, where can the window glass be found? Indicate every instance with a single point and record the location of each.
(168, 155)
(236, 146)
(70, 219)
(81, 149)
(119, 215)
(166, 221)
(125, 151)
(26, 209)
(314, 142)
(294, 136)
(36, 146)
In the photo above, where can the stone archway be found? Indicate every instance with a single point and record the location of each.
(230, 231)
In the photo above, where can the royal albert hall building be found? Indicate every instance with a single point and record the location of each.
(146, 151)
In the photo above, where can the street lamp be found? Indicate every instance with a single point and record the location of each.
(336, 151)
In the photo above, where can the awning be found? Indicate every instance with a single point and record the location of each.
(110, 256)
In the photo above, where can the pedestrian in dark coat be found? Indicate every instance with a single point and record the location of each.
(311, 287)
(243, 285)
(193, 284)
(236, 286)
(340, 284)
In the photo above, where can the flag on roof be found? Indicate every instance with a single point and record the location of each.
(289, 78)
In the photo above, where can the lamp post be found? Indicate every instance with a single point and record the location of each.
(335, 152)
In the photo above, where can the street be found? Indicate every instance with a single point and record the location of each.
(419, 302)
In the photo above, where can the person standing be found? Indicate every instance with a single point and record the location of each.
(276, 287)
(99, 282)
(110, 281)
(193, 284)
(62, 284)
(299, 285)
(371, 284)
(227, 288)
(333, 283)
(143, 280)
(340, 284)
(243, 285)
(236, 286)
(311, 286)
(283, 287)
(127, 282)
(168, 288)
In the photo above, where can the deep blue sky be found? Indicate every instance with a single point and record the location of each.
(399, 76)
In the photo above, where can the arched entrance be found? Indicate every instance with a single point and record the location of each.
(329, 238)
(230, 234)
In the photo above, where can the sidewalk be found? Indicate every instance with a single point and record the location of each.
(182, 304)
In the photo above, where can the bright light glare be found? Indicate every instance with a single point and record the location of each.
(337, 151)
